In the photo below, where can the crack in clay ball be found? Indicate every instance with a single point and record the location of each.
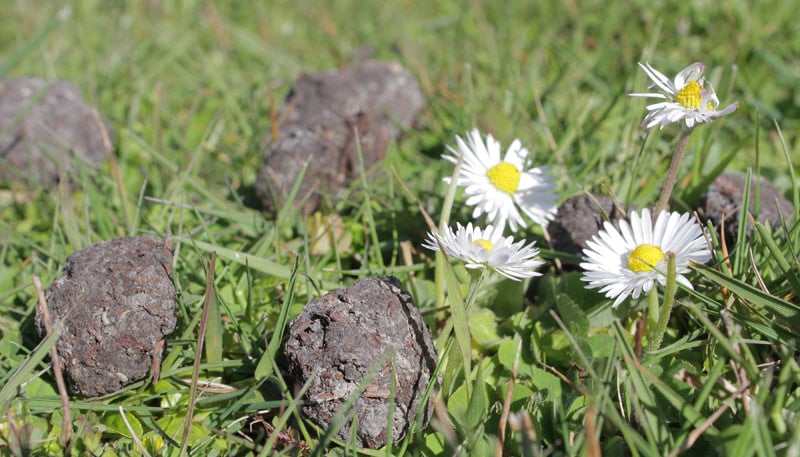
(115, 304)
(340, 339)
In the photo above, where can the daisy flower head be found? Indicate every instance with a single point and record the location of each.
(499, 186)
(689, 98)
(632, 259)
(487, 249)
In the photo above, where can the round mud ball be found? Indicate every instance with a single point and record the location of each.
(578, 219)
(115, 304)
(364, 341)
(333, 123)
(722, 204)
(48, 131)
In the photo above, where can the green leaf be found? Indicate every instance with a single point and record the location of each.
(458, 314)
(213, 338)
(434, 444)
(554, 343)
(478, 405)
(602, 345)
(266, 363)
(483, 328)
(789, 312)
(789, 272)
(653, 420)
(116, 424)
(507, 353)
(24, 371)
(573, 316)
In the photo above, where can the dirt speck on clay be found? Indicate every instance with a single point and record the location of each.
(115, 305)
(338, 339)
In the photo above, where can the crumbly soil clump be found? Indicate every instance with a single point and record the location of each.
(352, 338)
(327, 120)
(115, 305)
(48, 131)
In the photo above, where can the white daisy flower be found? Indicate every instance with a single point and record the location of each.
(690, 97)
(487, 249)
(500, 187)
(630, 260)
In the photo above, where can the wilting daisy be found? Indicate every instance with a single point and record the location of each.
(690, 97)
(630, 260)
(487, 249)
(501, 187)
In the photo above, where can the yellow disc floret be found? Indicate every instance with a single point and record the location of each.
(644, 257)
(485, 244)
(691, 96)
(504, 177)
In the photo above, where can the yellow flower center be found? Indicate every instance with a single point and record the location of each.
(504, 177)
(485, 244)
(690, 96)
(644, 257)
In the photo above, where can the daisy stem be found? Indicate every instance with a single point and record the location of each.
(459, 313)
(474, 285)
(672, 173)
(652, 311)
(666, 308)
(444, 219)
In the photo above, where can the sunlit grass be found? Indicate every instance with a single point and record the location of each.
(192, 87)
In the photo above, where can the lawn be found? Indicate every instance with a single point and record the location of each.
(541, 366)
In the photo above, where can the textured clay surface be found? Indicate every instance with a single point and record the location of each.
(116, 302)
(340, 337)
(578, 219)
(47, 131)
(722, 203)
(319, 118)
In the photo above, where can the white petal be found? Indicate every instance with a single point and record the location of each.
(692, 72)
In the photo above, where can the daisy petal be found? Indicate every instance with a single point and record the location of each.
(487, 249)
(689, 98)
(502, 188)
(629, 261)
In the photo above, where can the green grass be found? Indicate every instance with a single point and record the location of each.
(190, 87)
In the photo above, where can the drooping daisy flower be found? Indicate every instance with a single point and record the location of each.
(630, 260)
(501, 187)
(690, 97)
(487, 249)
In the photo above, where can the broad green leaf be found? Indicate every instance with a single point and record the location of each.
(573, 316)
(478, 404)
(116, 424)
(483, 328)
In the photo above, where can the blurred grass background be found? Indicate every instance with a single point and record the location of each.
(192, 88)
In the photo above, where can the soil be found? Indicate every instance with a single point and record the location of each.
(354, 336)
(578, 219)
(115, 305)
(722, 204)
(326, 120)
(48, 132)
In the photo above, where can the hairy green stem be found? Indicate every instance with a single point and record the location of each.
(666, 308)
(652, 311)
(672, 173)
